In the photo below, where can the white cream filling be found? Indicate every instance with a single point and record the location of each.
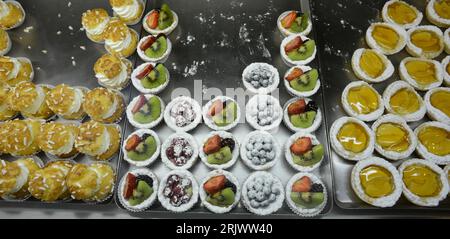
(117, 81)
(127, 11)
(65, 149)
(119, 46)
(38, 101)
(112, 110)
(105, 139)
(21, 179)
(15, 71)
(77, 101)
(4, 9)
(100, 28)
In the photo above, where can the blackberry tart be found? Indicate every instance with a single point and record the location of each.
(220, 150)
(182, 114)
(138, 189)
(179, 151)
(306, 194)
(302, 114)
(178, 191)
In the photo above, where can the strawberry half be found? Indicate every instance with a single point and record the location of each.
(147, 43)
(295, 43)
(212, 145)
(147, 69)
(215, 184)
(216, 107)
(289, 19)
(302, 185)
(297, 107)
(301, 146)
(152, 19)
(294, 74)
(130, 185)
(132, 142)
(141, 102)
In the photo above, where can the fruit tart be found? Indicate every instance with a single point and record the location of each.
(12, 14)
(371, 65)
(437, 101)
(57, 139)
(294, 22)
(386, 37)
(260, 78)
(145, 111)
(220, 191)
(6, 112)
(138, 189)
(362, 101)
(155, 49)
(304, 152)
(14, 70)
(401, 99)
(263, 112)
(182, 114)
(302, 114)
(104, 105)
(119, 39)
(178, 191)
(31, 100)
(94, 22)
(446, 69)
(438, 12)
(434, 142)
(5, 42)
(141, 148)
(16, 176)
(306, 194)
(162, 20)
(67, 101)
(19, 137)
(179, 151)
(260, 150)
(297, 50)
(425, 41)
(129, 11)
(150, 78)
(302, 81)
(221, 113)
(113, 72)
(401, 14)
(220, 150)
(422, 74)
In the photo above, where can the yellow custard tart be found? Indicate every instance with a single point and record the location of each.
(362, 101)
(15, 70)
(425, 41)
(371, 65)
(437, 101)
(386, 37)
(401, 99)
(446, 70)
(424, 183)
(376, 182)
(434, 142)
(5, 42)
(12, 14)
(422, 74)
(438, 12)
(394, 139)
(351, 138)
(401, 13)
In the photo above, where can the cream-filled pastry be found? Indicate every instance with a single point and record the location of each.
(119, 39)
(104, 105)
(19, 137)
(15, 70)
(6, 112)
(438, 12)
(30, 100)
(5, 42)
(28, 166)
(129, 11)
(425, 41)
(66, 101)
(94, 22)
(112, 71)
(58, 139)
(12, 14)
(422, 74)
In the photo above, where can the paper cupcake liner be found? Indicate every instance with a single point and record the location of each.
(285, 32)
(361, 74)
(392, 89)
(294, 92)
(287, 121)
(290, 62)
(168, 118)
(194, 145)
(349, 110)
(251, 108)
(288, 155)
(149, 201)
(243, 150)
(374, 45)
(203, 194)
(261, 90)
(388, 19)
(138, 85)
(423, 151)
(210, 123)
(435, 113)
(138, 125)
(182, 208)
(161, 59)
(155, 32)
(234, 158)
(415, 51)
(148, 161)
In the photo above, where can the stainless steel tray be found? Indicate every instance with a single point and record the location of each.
(342, 33)
(214, 41)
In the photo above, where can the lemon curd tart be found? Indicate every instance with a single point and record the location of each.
(446, 70)
(422, 74)
(371, 65)
(437, 101)
(386, 37)
(425, 41)
(401, 13)
(434, 142)
(401, 99)
(438, 12)
(362, 101)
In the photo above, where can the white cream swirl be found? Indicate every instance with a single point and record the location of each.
(38, 101)
(127, 11)
(119, 46)
(111, 110)
(105, 141)
(100, 28)
(77, 101)
(21, 179)
(4, 9)
(115, 82)
(16, 68)
(66, 148)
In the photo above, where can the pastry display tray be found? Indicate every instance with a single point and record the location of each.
(340, 34)
(213, 43)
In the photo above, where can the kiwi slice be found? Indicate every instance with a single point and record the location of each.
(144, 150)
(220, 157)
(165, 17)
(303, 52)
(224, 198)
(305, 82)
(157, 49)
(148, 112)
(155, 78)
(303, 120)
(227, 115)
(307, 200)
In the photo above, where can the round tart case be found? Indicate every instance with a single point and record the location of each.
(217, 148)
(302, 81)
(306, 185)
(128, 11)
(5, 42)
(352, 139)
(220, 191)
(99, 141)
(433, 143)
(182, 200)
(416, 71)
(150, 78)
(94, 22)
(67, 101)
(260, 78)
(104, 105)
(402, 100)
(262, 193)
(446, 69)
(145, 111)
(376, 182)
(182, 114)
(362, 101)
(15, 70)
(154, 15)
(371, 65)
(304, 152)
(263, 112)
(386, 37)
(179, 151)
(251, 148)
(302, 115)
(436, 13)
(146, 193)
(437, 101)
(113, 72)
(13, 9)
(417, 45)
(221, 113)
(412, 172)
(290, 23)
(295, 50)
(401, 13)
(159, 40)
(394, 139)
(141, 151)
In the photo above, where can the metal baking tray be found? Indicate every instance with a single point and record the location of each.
(60, 53)
(213, 43)
(341, 33)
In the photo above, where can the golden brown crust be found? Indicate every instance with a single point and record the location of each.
(14, 17)
(114, 134)
(20, 137)
(82, 182)
(32, 167)
(108, 65)
(61, 98)
(54, 135)
(99, 101)
(4, 38)
(120, 3)
(24, 95)
(6, 112)
(116, 30)
(107, 178)
(93, 17)
(130, 49)
(90, 138)
(8, 176)
(48, 184)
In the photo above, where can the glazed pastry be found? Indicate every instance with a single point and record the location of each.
(302, 114)
(376, 182)
(19, 137)
(437, 101)
(446, 70)
(6, 113)
(107, 180)
(162, 20)
(424, 183)
(28, 167)
(362, 101)
(401, 13)
(260, 150)
(394, 139)
(150, 78)
(145, 111)
(371, 65)
(294, 22)
(302, 81)
(58, 139)
(425, 41)
(104, 105)
(220, 191)
(179, 151)
(352, 139)
(306, 194)
(66, 101)
(437, 12)
(15, 70)
(119, 39)
(30, 100)
(98, 140)
(5, 42)
(182, 114)
(155, 49)
(263, 112)
(434, 142)
(262, 193)
(304, 152)
(15, 177)
(297, 50)
(138, 189)
(260, 78)
(386, 37)
(220, 150)
(178, 191)
(422, 74)
(221, 113)
(129, 11)
(12, 15)
(113, 72)
(141, 148)
(402, 100)
(95, 21)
